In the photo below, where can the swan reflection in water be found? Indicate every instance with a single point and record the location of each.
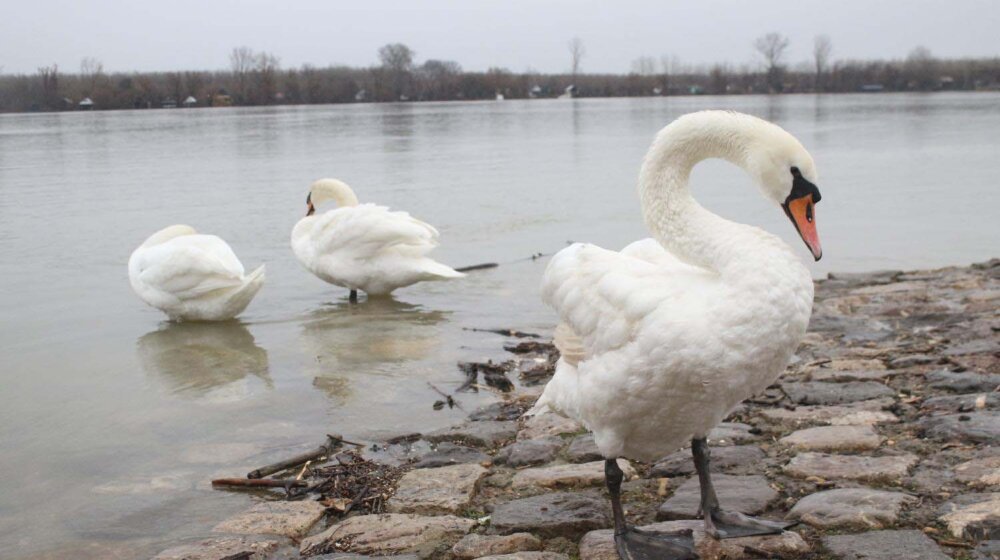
(373, 338)
(197, 358)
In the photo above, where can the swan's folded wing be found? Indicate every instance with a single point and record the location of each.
(368, 229)
(191, 266)
(603, 296)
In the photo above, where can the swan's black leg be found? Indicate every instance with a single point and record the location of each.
(719, 523)
(353, 298)
(633, 544)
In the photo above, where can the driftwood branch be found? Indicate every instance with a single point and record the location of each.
(482, 266)
(325, 450)
(258, 483)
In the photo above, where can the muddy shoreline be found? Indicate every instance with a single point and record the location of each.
(880, 438)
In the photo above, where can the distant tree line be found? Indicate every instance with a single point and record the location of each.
(257, 78)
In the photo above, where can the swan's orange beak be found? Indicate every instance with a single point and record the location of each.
(802, 212)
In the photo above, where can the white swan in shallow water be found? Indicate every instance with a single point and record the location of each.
(191, 276)
(662, 340)
(364, 246)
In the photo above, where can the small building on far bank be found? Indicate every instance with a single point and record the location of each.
(190, 101)
(86, 104)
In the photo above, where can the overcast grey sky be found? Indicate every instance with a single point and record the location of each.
(516, 34)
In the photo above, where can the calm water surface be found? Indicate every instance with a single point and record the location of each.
(112, 421)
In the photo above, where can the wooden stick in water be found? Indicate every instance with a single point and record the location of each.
(257, 482)
(324, 450)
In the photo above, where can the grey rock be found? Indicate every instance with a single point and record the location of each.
(290, 519)
(851, 467)
(979, 472)
(388, 534)
(745, 494)
(859, 279)
(548, 424)
(529, 451)
(475, 545)
(557, 514)
(840, 376)
(731, 433)
(583, 449)
(498, 411)
(680, 463)
(401, 451)
(884, 545)
(973, 516)
(534, 555)
(987, 550)
(863, 508)
(818, 392)
(570, 474)
(911, 360)
(600, 544)
(962, 403)
(221, 548)
(834, 438)
(487, 433)
(964, 382)
(975, 427)
(450, 454)
(441, 490)
(852, 414)
(977, 346)
(352, 556)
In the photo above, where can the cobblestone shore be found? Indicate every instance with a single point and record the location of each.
(880, 439)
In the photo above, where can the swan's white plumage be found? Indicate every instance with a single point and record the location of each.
(191, 276)
(660, 350)
(367, 247)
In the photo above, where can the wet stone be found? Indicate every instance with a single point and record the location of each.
(680, 463)
(568, 475)
(548, 424)
(850, 467)
(731, 433)
(834, 438)
(861, 508)
(556, 514)
(487, 433)
(352, 556)
(529, 452)
(388, 534)
(475, 545)
(853, 414)
(975, 427)
(987, 550)
(498, 411)
(912, 360)
(974, 516)
(534, 555)
(441, 490)
(450, 454)
(979, 472)
(840, 376)
(884, 545)
(583, 449)
(962, 403)
(745, 494)
(818, 392)
(964, 382)
(290, 519)
(221, 548)
(600, 544)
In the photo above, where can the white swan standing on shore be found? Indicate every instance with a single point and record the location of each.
(191, 276)
(364, 246)
(664, 339)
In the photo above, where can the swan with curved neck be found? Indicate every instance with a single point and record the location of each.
(662, 340)
(364, 246)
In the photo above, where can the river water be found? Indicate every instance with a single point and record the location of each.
(112, 421)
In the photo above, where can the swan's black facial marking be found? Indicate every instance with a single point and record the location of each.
(801, 187)
(310, 209)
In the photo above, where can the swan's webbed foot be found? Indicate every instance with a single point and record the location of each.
(634, 544)
(731, 525)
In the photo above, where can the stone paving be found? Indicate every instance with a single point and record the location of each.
(879, 439)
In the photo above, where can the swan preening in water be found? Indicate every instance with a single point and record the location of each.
(364, 246)
(192, 276)
(662, 340)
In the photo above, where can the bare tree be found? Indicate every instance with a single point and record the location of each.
(822, 47)
(265, 78)
(397, 63)
(241, 62)
(922, 67)
(772, 47)
(50, 85)
(576, 52)
(644, 66)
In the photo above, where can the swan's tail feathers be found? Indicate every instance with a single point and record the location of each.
(241, 298)
(438, 271)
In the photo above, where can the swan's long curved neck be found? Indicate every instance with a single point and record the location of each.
(675, 218)
(332, 189)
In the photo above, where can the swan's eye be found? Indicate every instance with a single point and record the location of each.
(809, 212)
